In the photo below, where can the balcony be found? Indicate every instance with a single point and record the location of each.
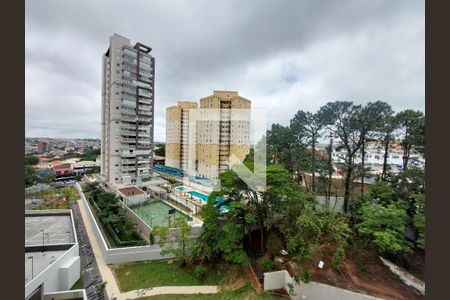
(128, 161)
(145, 93)
(128, 140)
(129, 118)
(144, 112)
(145, 101)
(127, 169)
(144, 119)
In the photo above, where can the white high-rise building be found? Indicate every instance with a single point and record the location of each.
(127, 112)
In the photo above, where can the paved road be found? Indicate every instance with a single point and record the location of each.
(89, 268)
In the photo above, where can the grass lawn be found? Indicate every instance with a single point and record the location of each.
(161, 273)
(245, 292)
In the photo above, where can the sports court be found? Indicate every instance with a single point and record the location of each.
(156, 213)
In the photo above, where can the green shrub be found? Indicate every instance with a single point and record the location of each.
(200, 272)
(338, 258)
(267, 264)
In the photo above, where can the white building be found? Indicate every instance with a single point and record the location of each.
(374, 158)
(127, 112)
(52, 260)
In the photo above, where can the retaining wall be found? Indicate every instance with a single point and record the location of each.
(312, 290)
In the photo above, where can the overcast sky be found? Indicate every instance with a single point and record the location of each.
(282, 55)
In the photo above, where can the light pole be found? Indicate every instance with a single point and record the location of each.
(32, 271)
(43, 239)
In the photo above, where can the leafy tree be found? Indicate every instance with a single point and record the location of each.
(31, 159)
(182, 238)
(412, 125)
(344, 117)
(50, 177)
(161, 150)
(250, 157)
(419, 220)
(370, 122)
(307, 125)
(385, 227)
(30, 175)
(387, 134)
(382, 193)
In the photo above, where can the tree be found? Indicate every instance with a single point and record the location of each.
(370, 121)
(161, 150)
(344, 116)
(307, 125)
(419, 220)
(50, 177)
(412, 125)
(30, 175)
(385, 227)
(387, 132)
(182, 238)
(31, 159)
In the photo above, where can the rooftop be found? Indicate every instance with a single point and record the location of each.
(131, 191)
(48, 228)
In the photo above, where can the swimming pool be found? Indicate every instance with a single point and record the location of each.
(181, 188)
(156, 213)
(199, 195)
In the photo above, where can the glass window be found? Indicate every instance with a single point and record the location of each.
(130, 52)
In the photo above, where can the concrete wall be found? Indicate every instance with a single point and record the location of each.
(143, 228)
(120, 255)
(136, 199)
(50, 276)
(312, 290)
(75, 294)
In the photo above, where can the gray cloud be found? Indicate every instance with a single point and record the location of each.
(284, 56)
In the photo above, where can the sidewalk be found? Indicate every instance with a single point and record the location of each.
(112, 289)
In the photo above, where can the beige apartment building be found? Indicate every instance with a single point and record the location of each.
(208, 140)
(127, 112)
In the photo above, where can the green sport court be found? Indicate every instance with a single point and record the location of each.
(156, 213)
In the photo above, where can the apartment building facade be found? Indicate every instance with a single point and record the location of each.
(221, 137)
(127, 112)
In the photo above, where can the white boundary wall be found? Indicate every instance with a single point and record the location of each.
(120, 255)
(51, 276)
(312, 290)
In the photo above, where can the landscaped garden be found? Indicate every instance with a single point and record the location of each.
(119, 230)
(163, 273)
(54, 198)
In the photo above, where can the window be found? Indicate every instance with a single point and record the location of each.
(117, 107)
(116, 165)
(117, 150)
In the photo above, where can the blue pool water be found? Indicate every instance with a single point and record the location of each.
(180, 188)
(199, 195)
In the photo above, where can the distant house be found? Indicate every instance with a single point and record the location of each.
(83, 167)
(159, 159)
(63, 170)
(132, 195)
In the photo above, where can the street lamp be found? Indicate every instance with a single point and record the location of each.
(43, 239)
(32, 271)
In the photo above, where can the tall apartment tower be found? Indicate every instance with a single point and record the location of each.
(220, 135)
(177, 134)
(127, 112)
